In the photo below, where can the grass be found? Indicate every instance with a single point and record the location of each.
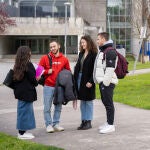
(8, 142)
(133, 91)
(139, 65)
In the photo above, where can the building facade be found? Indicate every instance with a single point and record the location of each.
(39, 21)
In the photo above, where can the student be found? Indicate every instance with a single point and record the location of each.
(59, 62)
(83, 75)
(24, 83)
(104, 74)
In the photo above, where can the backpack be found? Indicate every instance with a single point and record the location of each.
(122, 64)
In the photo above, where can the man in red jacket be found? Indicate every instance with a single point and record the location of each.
(59, 62)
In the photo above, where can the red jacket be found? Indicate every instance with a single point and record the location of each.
(58, 63)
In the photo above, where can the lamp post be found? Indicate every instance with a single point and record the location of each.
(65, 44)
(35, 7)
(108, 15)
(53, 8)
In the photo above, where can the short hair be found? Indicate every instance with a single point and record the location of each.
(105, 35)
(54, 41)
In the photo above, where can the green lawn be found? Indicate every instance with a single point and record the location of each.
(139, 65)
(133, 91)
(8, 142)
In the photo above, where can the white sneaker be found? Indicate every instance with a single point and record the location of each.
(102, 126)
(107, 129)
(49, 129)
(58, 128)
(26, 136)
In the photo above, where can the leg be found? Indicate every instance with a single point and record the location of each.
(83, 115)
(83, 110)
(48, 97)
(88, 114)
(89, 110)
(57, 113)
(107, 99)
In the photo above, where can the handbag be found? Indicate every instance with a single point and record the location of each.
(41, 81)
(9, 79)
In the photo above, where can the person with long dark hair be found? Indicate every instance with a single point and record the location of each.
(84, 83)
(24, 83)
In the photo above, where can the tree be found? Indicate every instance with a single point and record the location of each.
(5, 20)
(141, 18)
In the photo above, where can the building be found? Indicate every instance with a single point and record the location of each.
(39, 21)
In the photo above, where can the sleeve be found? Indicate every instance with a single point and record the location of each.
(67, 65)
(111, 57)
(93, 62)
(31, 74)
(43, 63)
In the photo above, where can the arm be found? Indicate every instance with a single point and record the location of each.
(110, 67)
(31, 74)
(93, 62)
(43, 62)
(67, 65)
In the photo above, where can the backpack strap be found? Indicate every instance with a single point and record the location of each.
(50, 60)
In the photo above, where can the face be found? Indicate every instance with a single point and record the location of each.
(100, 40)
(54, 47)
(83, 44)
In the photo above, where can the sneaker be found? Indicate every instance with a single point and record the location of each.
(26, 136)
(58, 128)
(49, 129)
(102, 126)
(107, 129)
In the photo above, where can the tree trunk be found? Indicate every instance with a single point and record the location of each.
(143, 47)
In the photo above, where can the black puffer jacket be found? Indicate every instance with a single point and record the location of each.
(64, 89)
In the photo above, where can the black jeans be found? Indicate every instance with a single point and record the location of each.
(107, 99)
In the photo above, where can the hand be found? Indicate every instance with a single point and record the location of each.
(75, 104)
(50, 71)
(38, 78)
(88, 85)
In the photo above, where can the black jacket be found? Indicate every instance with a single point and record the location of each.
(85, 93)
(25, 88)
(64, 88)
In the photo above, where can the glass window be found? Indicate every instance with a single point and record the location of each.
(122, 19)
(120, 12)
(42, 8)
(116, 10)
(122, 33)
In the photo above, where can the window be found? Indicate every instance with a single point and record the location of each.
(119, 12)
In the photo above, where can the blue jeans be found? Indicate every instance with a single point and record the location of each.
(48, 93)
(86, 107)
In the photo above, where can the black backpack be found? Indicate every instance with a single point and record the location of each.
(122, 64)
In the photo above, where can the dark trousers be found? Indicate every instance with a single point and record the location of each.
(107, 99)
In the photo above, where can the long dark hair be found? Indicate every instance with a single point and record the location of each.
(22, 59)
(91, 46)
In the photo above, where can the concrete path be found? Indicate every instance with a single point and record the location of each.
(132, 124)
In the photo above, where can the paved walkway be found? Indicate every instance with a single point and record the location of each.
(132, 124)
